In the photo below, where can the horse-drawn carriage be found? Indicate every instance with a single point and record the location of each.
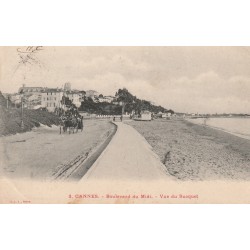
(71, 122)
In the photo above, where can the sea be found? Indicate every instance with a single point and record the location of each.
(236, 126)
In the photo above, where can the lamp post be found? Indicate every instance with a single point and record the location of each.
(8, 102)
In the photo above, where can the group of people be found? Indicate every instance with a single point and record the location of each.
(121, 117)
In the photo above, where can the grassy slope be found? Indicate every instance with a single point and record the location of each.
(10, 120)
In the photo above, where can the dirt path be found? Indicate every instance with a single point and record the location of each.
(44, 154)
(128, 156)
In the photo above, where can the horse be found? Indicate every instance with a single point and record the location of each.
(72, 124)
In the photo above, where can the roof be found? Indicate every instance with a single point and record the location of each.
(73, 92)
(29, 87)
(24, 89)
(109, 96)
(52, 90)
(91, 92)
(146, 112)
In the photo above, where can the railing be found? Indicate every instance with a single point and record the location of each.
(101, 117)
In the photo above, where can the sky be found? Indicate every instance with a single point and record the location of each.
(185, 79)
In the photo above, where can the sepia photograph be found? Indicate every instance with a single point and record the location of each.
(124, 124)
(121, 124)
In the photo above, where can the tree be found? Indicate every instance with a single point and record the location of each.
(124, 97)
(65, 100)
(171, 111)
(129, 103)
(83, 92)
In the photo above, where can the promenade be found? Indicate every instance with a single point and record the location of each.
(127, 157)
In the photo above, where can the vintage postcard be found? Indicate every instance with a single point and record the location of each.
(124, 125)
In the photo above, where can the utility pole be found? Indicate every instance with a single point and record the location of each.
(22, 124)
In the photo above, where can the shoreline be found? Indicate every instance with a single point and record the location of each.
(221, 129)
(197, 153)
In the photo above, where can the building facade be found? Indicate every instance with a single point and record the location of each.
(107, 99)
(146, 115)
(16, 98)
(92, 93)
(51, 99)
(75, 97)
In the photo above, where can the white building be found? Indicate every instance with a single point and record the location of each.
(92, 93)
(146, 116)
(107, 99)
(51, 99)
(75, 97)
(15, 98)
(33, 99)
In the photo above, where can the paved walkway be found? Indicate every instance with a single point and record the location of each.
(128, 156)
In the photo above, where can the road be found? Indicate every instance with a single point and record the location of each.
(44, 154)
(128, 156)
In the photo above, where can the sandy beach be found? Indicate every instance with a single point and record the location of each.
(196, 152)
(44, 154)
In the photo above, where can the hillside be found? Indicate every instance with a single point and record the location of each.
(128, 102)
(10, 119)
(100, 108)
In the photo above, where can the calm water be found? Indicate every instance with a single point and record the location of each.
(237, 126)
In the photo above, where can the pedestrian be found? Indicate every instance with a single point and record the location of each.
(121, 118)
(114, 119)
